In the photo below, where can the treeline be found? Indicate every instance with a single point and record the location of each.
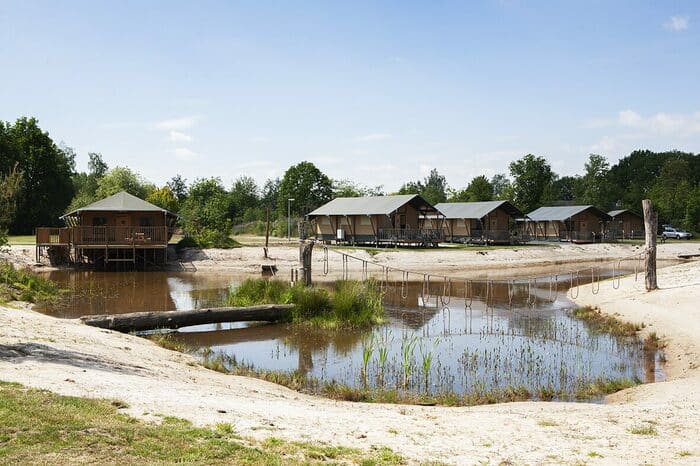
(39, 182)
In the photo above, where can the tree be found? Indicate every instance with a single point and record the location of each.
(164, 198)
(85, 184)
(123, 179)
(568, 189)
(244, 196)
(347, 188)
(270, 193)
(307, 185)
(47, 188)
(205, 214)
(433, 188)
(96, 166)
(10, 188)
(178, 186)
(595, 182)
(501, 187)
(532, 182)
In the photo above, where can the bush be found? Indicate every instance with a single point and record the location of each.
(349, 303)
(23, 285)
(207, 239)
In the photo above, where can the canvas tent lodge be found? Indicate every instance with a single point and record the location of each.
(581, 224)
(120, 228)
(476, 222)
(626, 224)
(376, 220)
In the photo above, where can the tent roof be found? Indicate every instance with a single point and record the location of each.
(615, 213)
(475, 209)
(372, 205)
(561, 213)
(121, 202)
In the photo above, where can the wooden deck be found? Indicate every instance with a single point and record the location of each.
(80, 244)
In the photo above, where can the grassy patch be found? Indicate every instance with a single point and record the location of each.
(643, 430)
(547, 423)
(40, 427)
(347, 303)
(602, 323)
(22, 239)
(23, 285)
(684, 453)
(168, 341)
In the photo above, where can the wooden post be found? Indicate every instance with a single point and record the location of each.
(267, 230)
(650, 228)
(305, 250)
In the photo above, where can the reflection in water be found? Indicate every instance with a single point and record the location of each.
(477, 335)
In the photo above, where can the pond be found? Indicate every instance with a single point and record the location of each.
(435, 340)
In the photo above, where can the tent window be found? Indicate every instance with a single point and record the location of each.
(146, 221)
(99, 221)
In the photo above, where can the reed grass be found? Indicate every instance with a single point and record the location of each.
(346, 304)
(602, 323)
(23, 285)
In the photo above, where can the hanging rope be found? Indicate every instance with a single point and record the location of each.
(425, 289)
(531, 297)
(446, 291)
(571, 288)
(404, 285)
(468, 294)
(594, 289)
(325, 260)
(553, 288)
(364, 270)
(616, 279)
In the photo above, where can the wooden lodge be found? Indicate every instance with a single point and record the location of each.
(626, 224)
(489, 222)
(378, 220)
(118, 229)
(578, 224)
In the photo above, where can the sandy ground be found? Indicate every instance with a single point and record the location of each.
(69, 358)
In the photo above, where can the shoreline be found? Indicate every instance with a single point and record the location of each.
(69, 358)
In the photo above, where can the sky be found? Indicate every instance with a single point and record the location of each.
(375, 92)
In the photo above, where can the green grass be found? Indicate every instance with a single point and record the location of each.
(22, 239)
(39, 427)
(23, 285)
(346, 304)
(603, 323)
(643, 430)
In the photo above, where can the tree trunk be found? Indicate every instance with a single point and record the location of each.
(267, 230)
(650, 228)
(139, 321)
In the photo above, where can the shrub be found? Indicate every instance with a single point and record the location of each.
(23, 285)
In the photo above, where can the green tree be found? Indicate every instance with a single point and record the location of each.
(47, 187)
(307, 185)
(164, 198)
(178, 186)
(85, 184)
(568, 189)
(244, 197)
(270, 193)
(595, 182)
(347, 188)
(532, 182)
(671, 193)
(10, 188)
(501, 187)
(433, 188)
(123, 179)
(205, 214)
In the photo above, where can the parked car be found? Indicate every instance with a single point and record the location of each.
(670, 232)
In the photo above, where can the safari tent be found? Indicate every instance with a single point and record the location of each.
(579, 224)
(482, 222)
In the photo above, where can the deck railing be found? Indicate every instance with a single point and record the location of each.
(411, 235)
(103, 235)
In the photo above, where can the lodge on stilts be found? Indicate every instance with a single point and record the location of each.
(577, 224)
(120, 229)
(377, 220)
(488, 222)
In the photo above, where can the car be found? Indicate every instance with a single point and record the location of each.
(670, 232)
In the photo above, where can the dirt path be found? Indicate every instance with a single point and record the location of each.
(70, 358)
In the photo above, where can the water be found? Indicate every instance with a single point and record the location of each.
(499, 341)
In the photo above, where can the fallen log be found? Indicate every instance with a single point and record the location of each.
(140, 321)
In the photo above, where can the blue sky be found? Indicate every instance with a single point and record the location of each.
(375, 92)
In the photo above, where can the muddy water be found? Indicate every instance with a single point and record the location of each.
(463, 337)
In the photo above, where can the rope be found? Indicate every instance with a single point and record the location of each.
(530, 294)
(616, 286)
(511, 292)
(468, 285)
(364, 270)
(446, 292)
(571, 288)
(553, 288)
(594, 290)
(404, 285)
(425, 289)
(325, 261)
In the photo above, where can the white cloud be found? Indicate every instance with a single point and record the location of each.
(677, 23)
(678, 124)
(373, 137)
(176, 124)
(184, 153)
(177, 136)
(629, 118)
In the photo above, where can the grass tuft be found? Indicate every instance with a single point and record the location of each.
(23, 285)
(602, 323)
